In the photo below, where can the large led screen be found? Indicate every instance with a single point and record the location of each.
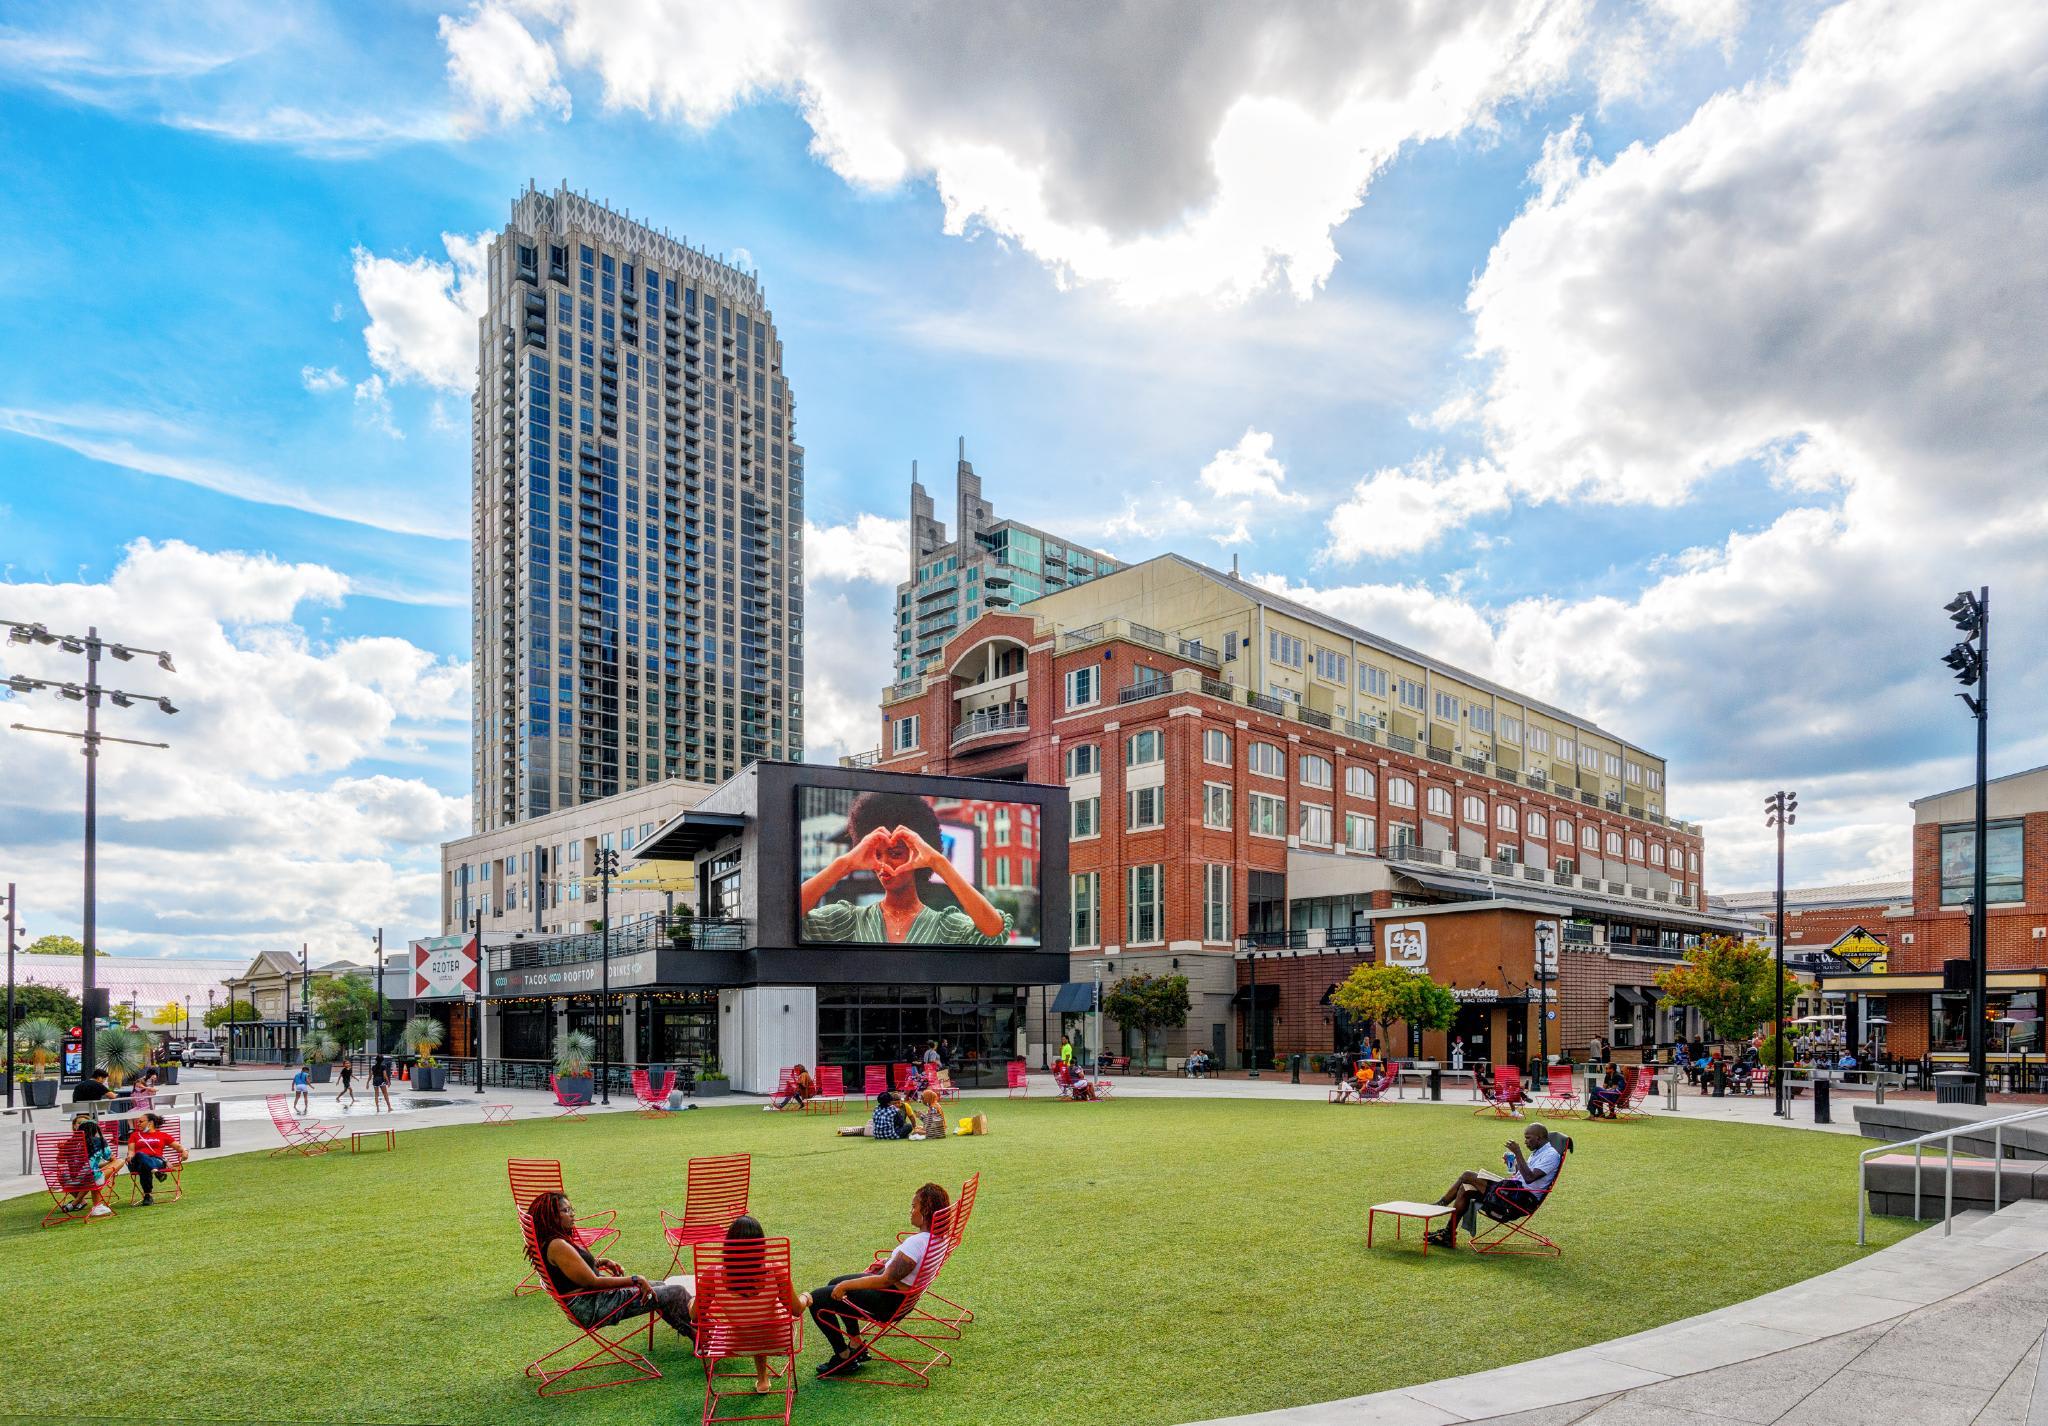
(893, 868)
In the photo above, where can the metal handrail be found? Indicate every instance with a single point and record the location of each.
(1948, 1190)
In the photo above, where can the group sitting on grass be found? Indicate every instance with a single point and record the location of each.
(601, 1293)
(917, 1116)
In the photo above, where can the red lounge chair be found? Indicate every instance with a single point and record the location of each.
(715, 1195)
(530, 1178)
(1506, 1096)
(942, 1081)
(953, 1318)
(906, 1080)
(66, 1174)
(174, 1166)
(612, 1350)
(652, 1098)
(1513, 1237)
(1558, 1095)
(785, 1088)
(308, 1137)
(831, 1095)
(571, 1105)
(1020, 1087)
(874, 1080)
(740, 1315)
(908, 1338)
(1640, 1081)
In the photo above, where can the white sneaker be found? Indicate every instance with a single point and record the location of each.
(1517, 1114)
(767, 1109)
(100, 1210)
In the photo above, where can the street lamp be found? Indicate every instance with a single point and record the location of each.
(89, 693)
(1779, 810)
(1971, 660)
(12, 899)
(607, 868)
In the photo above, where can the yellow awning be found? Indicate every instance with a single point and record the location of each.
(1906, 984)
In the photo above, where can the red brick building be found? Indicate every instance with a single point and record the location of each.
(1213, 813)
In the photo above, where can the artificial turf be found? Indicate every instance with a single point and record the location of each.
(1140, 1261)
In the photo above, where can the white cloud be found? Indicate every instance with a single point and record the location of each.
(497, 65)
(1243, 484)
(1400, 510)
(321, 379)
(373, 407)
(424, 313)
(1207, 158)
(1248, 471)
(872, 549)
(270, 781)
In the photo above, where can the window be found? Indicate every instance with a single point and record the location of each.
(1635, 849)
(1268, 815)
(1315, 823)
(1589, 758)
(1216, 747)
(1539, 740)
(1216, 805)
(1264, 759)
(1511, 730)
(1314, 771)
(1372, 680)
(1358, 782)
(1085, 816)
(1144, 809)
(1141, 749)
(1283, 648)
(1482, 718)
(1656, 854)
(1537, 828)
(904, 736)
(1083, 760)
(1613, 763)
(1142, 905)
(1215, 902)
(1635, 773)
(1692, 861)
(1411, 694)
(1566, 749)
(1400, 792)
(1084, 686)
(1358, 832)
(1332, 665)
(1656, 780)
(2004, 861)
(1087, 923)
(1589, 838)
(1505, 852)
(1439, 801)
(1614, 844)
(1506, 818)
(1447, 707)
(1475, 810)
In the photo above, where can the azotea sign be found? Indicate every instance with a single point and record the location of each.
(443, 968)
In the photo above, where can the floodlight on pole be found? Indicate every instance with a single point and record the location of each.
(1971, 661)
(1780, 811)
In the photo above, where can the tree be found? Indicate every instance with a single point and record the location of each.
(1146, 1003)
(346, 1004)
(1384, 994)
(40, 1039)
(57, 946)
(120, 1051)
(1731, 983)
(47, 1002)
(234, 1010)
(170, 1015)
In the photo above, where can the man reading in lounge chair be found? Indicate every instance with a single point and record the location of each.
(1516, 1196)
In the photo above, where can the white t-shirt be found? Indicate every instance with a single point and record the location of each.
(1543, 1166)
(913, 1248)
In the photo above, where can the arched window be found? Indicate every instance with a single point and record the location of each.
(1475, 810)
(1614, 844)
(1506, 818)
(1400, 792)
(1589, 838)
(1440, 801)
(1656, 854)
(1537, 829)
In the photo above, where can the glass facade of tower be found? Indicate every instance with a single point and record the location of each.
(1007, 565)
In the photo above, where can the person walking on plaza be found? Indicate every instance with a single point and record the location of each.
(302, 1091)
(1067, 1051)
(878, 1294)
(347, 1093)
(931, 1063)
(380, 1083)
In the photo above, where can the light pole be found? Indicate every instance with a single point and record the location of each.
(1971, 613)
(89, 693)
(305, 999)
(607, 868)
(476, 1012)
(209, 1018)
(1779, 812)
(378, 1053)
(11, 898)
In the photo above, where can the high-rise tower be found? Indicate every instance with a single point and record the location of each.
(638, 516)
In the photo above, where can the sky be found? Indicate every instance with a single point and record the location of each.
(1674, 362)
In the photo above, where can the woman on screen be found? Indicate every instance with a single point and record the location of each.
(896, 837)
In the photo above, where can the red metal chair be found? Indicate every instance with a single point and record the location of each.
(1558, 1095)
(716, 1194)
(907, 1338)
(611, 1350)
(1019, 1085)
(906, 1080)
(740, 1314)
(174, 1166)
(529, 1179)
(652, 1098)
(874, 1079)
(1640, 1081)
(306, 1137)
(571, 1105)
(942, 1081)
(785, 1088)
(66, 1175)
(1506, 1098)
(831, 1095)
(953, 1318)
(1513, 1237)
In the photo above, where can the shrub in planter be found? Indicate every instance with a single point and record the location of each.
(41, 1039)
(121, 1052)
(422, 1035)
(318, 1051)
(573, 1054)
(711, 1080)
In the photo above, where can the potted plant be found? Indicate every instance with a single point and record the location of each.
(422, 1035)
(121, 1052)
(573, 1054)
(41, 1040)
(167, 1070)
(711, 1080)
(318, 1051)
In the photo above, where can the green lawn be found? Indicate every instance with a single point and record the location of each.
(1137, 1262)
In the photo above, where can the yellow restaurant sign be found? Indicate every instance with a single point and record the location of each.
(1863, 951)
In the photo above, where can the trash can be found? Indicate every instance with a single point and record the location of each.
(1436, 1082)
(209, 1126)
(1294, 1068)
(1955, 1087)
(1720, 1080)
(1821, 1085)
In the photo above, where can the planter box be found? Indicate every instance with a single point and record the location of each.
(319, 1073)
(430, 1079)
(167, 1073)
(40, 1093)
(713, 1088)
(576, 1088)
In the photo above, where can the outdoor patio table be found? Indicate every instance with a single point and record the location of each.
(1401, 1210)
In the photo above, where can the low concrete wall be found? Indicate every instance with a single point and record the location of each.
(1894, 1121)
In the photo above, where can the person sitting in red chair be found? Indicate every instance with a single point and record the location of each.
(1516, 1196)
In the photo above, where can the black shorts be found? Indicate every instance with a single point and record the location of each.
(1504, 1201)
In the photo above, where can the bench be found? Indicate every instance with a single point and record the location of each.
(1112, 1064)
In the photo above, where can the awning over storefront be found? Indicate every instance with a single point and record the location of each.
(689, 833)
(1908, 984)
(1631, 995)
(1268, 995)
(1076, 997)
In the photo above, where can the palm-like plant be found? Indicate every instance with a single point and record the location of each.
(40, 1040)
(120, 1052)
(319, 1048)
(423, 1035)
(573, 1053)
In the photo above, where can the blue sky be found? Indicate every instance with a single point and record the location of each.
(1557, 363)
